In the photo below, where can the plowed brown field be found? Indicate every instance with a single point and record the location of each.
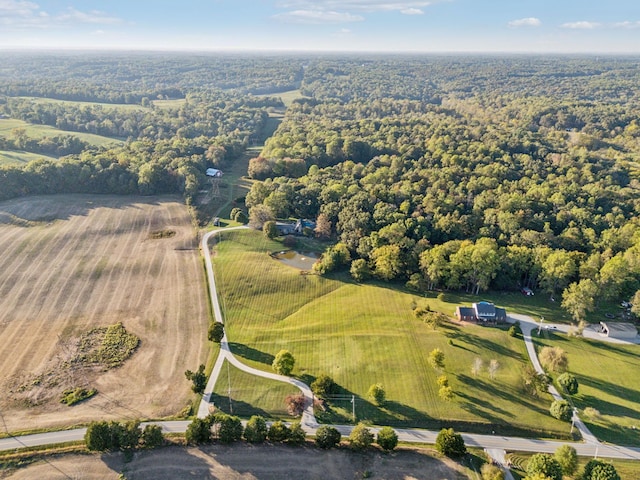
(70, 263)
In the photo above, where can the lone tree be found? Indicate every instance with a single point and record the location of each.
(327, 437)
(436, 359)
(216, 332)
(269, 229)
(561, 410)
(295, 404)
(567, 457)
(387, 438)
(256, 430)
(554, 359)
(323, 386)
(450, 443)
(545, 464)
(599, 470)
(284, 362)
(569, 383)
(361, 437)
(377, 394)
(198, 378)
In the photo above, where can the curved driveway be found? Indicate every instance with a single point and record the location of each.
(308, 417)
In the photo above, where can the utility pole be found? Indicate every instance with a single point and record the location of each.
(353, 407)
(540, 326)
(229, 391)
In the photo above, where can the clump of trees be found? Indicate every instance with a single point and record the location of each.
(103, 436)
(216, 426)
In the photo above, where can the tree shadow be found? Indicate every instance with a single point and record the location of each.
(250, 353)
(167, 462)
(237, 407)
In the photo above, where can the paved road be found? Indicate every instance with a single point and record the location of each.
(308, 417)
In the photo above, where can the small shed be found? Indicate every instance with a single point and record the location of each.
(621, 330)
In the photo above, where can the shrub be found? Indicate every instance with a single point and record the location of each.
(269, 229)
(323, 386)
(152, 436)
(198, 378)
(227, 428)
(597, 470)
(513, 331)
(216, 332)
(256, 430)
(361, 437)
(592, 413)
(436, 359)
(71, 397)
(567, 457)
(450, 443)
(278, 432)
(445, 393)
(387, 438)
(545, 464)
(327, 437)
(283, 362)
(491, 472)
(241, 217)
(198, 431)
(443, 381)
(98, 437)
(295, 404)
(377, 394)
(297, 435)
(561, 410)
(569, 383)
(554, 359)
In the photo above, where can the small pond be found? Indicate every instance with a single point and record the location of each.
(300, 260)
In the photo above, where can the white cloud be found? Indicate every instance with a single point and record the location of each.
(525, 22)
(581, 25)
(21, 14)
(357, 5)
(412, 11)
(317, 17)
(627, 24)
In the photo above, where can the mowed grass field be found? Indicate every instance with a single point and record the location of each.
(106, 106)
(16, 158)
(365, 334)
(609, 381)
(41, 131)
(71, 263)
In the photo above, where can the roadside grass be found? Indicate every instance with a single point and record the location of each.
(11, 157)
(41, 131)
(365, 334)
(251, 395)
(609, 381)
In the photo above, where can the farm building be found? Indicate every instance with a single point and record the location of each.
(482, 312)
(214, 172)
(619, 330)
(288, 228)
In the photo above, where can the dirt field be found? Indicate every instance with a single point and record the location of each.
(244, 462)
(71, 263)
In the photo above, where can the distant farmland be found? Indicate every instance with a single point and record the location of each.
(72, 263)
(41, 131)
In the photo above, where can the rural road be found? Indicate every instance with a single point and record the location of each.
(494, 444)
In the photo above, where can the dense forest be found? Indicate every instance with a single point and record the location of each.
(446, 172)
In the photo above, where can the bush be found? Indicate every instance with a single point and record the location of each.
(198, 431)
(295, 404)
(323, 386)
(545, 464)
(361, 437)
(278, 432)
(152, 436)
(71, 397)
(450, 443)
(599, 470)
(327, 437)
(227, 428)
(284, 362)
(567, 457)
(98, 437)
(387, 438)
(554, 359)
(561, 410)
(256, 430)
(513, 331)
(216, 332)
(241, 217)
(269, 229)
(198, 378)
(568, 383)
(377, 394)
(491, 472)
(297, 435)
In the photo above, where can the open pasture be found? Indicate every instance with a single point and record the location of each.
(40, 131)
(72, 263)
(18, 158)
(609, 382)
(106, 106)
(365, 334)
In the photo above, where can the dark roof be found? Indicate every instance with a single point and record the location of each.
(466, 312)
(484, 309)
(501, 313)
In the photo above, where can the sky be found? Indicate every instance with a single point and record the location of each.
(519, 26)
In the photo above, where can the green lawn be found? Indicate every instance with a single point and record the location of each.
(8, 157)
(627, 469)
(609, 381)
(41, 131)
(251, 395)
(119, 106)
(365, 334)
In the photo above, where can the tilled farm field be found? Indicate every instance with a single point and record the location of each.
(71, 264)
